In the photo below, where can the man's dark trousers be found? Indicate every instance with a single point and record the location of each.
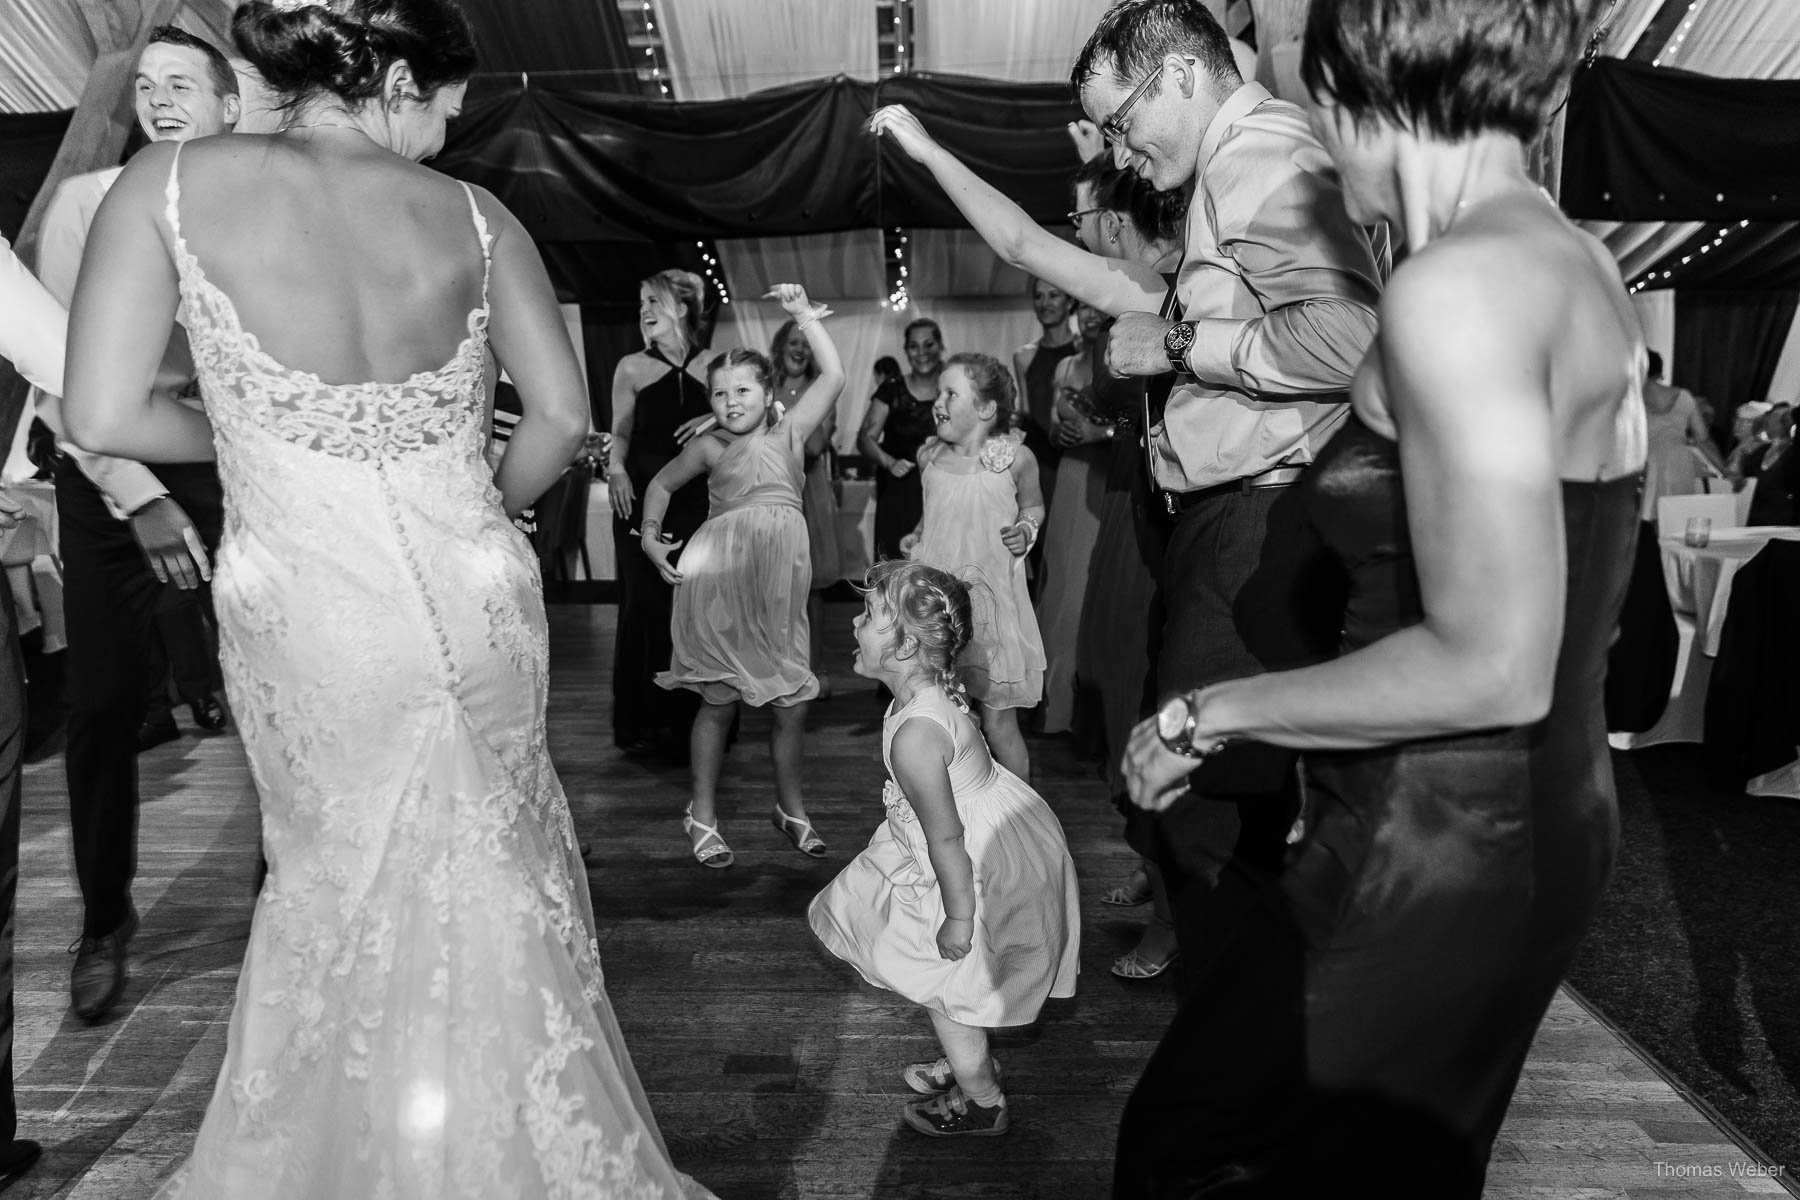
(110, 605)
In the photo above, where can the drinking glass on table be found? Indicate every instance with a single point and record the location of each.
(1699, 531)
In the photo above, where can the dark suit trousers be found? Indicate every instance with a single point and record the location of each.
(1246, 588)
(12, 756)
(111, 599)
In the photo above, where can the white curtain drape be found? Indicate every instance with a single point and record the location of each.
(1020, 40)
(1656, 317)
(721, 48)
(45, 54)
(832, 266)
(956, 262)
(1742, 40)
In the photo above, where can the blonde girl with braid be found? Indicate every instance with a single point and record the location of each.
(964, 901)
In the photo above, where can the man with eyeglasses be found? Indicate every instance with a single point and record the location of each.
(1276, 298)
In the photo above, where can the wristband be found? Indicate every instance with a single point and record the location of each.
(1030, 523)
(816, 314)
(650, 528)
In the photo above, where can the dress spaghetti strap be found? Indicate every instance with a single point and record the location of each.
(487, 243)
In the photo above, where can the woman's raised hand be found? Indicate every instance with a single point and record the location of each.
(897, 121)
(792, 298)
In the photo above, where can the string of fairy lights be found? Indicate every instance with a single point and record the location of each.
(1653, 277)
(715, 274)
(650, 51)
(1669, 51)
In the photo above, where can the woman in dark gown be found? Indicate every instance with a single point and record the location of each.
(655, 392)
(1034, 366)
(1371, 1005)
(898, 422)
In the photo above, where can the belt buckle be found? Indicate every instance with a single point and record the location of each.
(1169, 505)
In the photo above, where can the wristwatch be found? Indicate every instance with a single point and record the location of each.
(1175, 725)
(1176, 344)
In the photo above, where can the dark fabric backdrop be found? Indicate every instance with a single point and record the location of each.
(1647, 143)
(28, 143)
(1727, 345)
(585, 166)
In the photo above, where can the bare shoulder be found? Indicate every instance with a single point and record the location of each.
(637, 369)
(1479, 287)
(921, 738)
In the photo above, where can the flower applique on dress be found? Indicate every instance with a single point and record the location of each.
(999, 451)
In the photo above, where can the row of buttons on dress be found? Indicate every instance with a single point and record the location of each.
(452, 678)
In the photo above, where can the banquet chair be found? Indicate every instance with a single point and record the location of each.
(1719, 486)
(1674, 512)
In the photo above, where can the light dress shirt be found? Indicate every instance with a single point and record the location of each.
(34, 328)
(126, 485)
(1282, 288)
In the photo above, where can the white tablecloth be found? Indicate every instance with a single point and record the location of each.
(1699, 582)
(1699, 577)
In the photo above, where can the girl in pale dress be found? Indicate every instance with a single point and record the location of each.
(739, 627)
(983, 510)
(964, 901)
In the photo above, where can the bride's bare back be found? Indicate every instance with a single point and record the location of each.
(344, 260)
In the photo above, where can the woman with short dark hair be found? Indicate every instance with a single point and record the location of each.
(1369, 1003)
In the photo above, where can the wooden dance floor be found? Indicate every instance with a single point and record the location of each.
(773, 1071)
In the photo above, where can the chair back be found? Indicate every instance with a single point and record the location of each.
(1673, 513)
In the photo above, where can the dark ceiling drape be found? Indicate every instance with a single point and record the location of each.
(1727, 345)
(1646, 143)
(584, 166)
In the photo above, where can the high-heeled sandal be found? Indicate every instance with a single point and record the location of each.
(715, 854)
(1125, 895)
(806, 840)
(1133, 965)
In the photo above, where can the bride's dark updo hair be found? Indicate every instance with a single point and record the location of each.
(345, 46)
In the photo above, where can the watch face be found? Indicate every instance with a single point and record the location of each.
(1179, 338)
(1171, 719)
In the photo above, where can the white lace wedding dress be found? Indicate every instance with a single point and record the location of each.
(421, 1013)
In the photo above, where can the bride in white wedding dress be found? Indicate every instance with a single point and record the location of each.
(421, 1011)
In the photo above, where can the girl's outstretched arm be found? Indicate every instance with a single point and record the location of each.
(921, 754)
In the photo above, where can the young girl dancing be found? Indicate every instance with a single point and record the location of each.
(964, 901)
(739, 626)
(983, 510)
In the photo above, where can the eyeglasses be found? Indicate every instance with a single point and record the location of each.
(1114, 126)
(1075, 217)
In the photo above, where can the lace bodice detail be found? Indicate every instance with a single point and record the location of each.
(246, 387)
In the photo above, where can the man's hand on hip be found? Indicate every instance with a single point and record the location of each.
(171, 544)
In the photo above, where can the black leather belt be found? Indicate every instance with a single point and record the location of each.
(1176, 503)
